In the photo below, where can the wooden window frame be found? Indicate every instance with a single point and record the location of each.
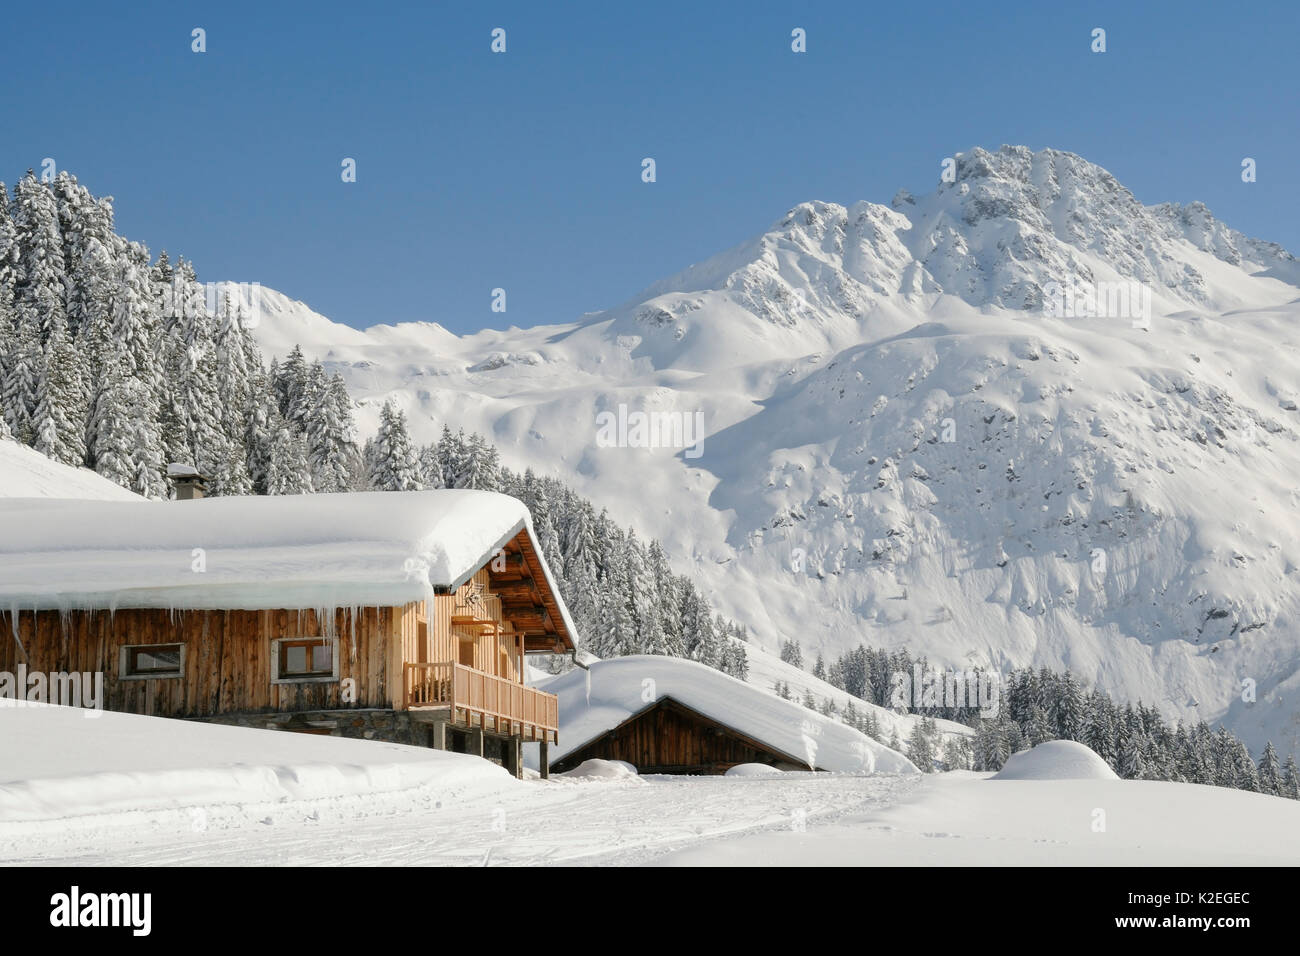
(319, 677)
(129, 651)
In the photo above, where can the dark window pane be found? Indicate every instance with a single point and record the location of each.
(163, 659)
(295, 658)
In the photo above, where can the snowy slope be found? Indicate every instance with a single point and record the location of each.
(26, 473)
(766, 670)
(598, 699)
(903, 449)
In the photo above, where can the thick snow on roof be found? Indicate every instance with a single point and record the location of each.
(303, 551)
(26, 473)
(597, 700)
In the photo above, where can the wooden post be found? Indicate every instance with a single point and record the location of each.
(438, 735)
(475, 743)
(512, 751)
(544, 759)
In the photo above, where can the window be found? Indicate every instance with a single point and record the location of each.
(297, 660)
(152, 661)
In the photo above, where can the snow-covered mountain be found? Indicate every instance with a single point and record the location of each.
(909, 442)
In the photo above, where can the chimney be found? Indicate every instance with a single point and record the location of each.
(189, 484)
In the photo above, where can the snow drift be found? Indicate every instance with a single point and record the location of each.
(1056, 760)
(752, 770)
(597, 769)
(62, 762)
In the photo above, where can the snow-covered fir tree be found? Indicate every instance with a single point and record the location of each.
(1270, 771)
(391, 463)
(331, 435)
(289, 472)
(61, 405)
(42, 270)
(97, 344)
(127, 446)
(920, 748)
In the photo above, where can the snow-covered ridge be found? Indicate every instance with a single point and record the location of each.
(902, 449)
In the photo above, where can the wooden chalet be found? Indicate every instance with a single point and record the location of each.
(403, 616)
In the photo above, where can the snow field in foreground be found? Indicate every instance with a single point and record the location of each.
(199, 794)
(964, 819)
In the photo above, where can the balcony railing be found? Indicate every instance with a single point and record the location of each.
(478, 699)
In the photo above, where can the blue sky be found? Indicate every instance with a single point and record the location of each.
(522, 170)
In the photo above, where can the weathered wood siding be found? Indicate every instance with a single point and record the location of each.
(484, 651)
(670, 738)
(227, 657)
(228, 654)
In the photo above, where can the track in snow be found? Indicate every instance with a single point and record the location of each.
(564, 822)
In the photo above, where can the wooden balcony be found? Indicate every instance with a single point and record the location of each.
(474, 609)
(476, 699)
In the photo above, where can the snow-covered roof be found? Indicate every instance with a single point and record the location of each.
(292, 551)
(595, 701)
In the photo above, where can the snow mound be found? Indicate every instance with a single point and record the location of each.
(597, 769)
(26, 473)
(63, 762)
(599, 699)
(752, 770)
(1056, 760)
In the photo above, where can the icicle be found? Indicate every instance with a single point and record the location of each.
(13, 616)
(65, 616)
(352, 643)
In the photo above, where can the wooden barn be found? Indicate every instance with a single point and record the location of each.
(403, 616)
(667, 736)
(668, 715)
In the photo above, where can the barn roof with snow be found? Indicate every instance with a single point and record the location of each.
(596, 704)
(253, 553)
